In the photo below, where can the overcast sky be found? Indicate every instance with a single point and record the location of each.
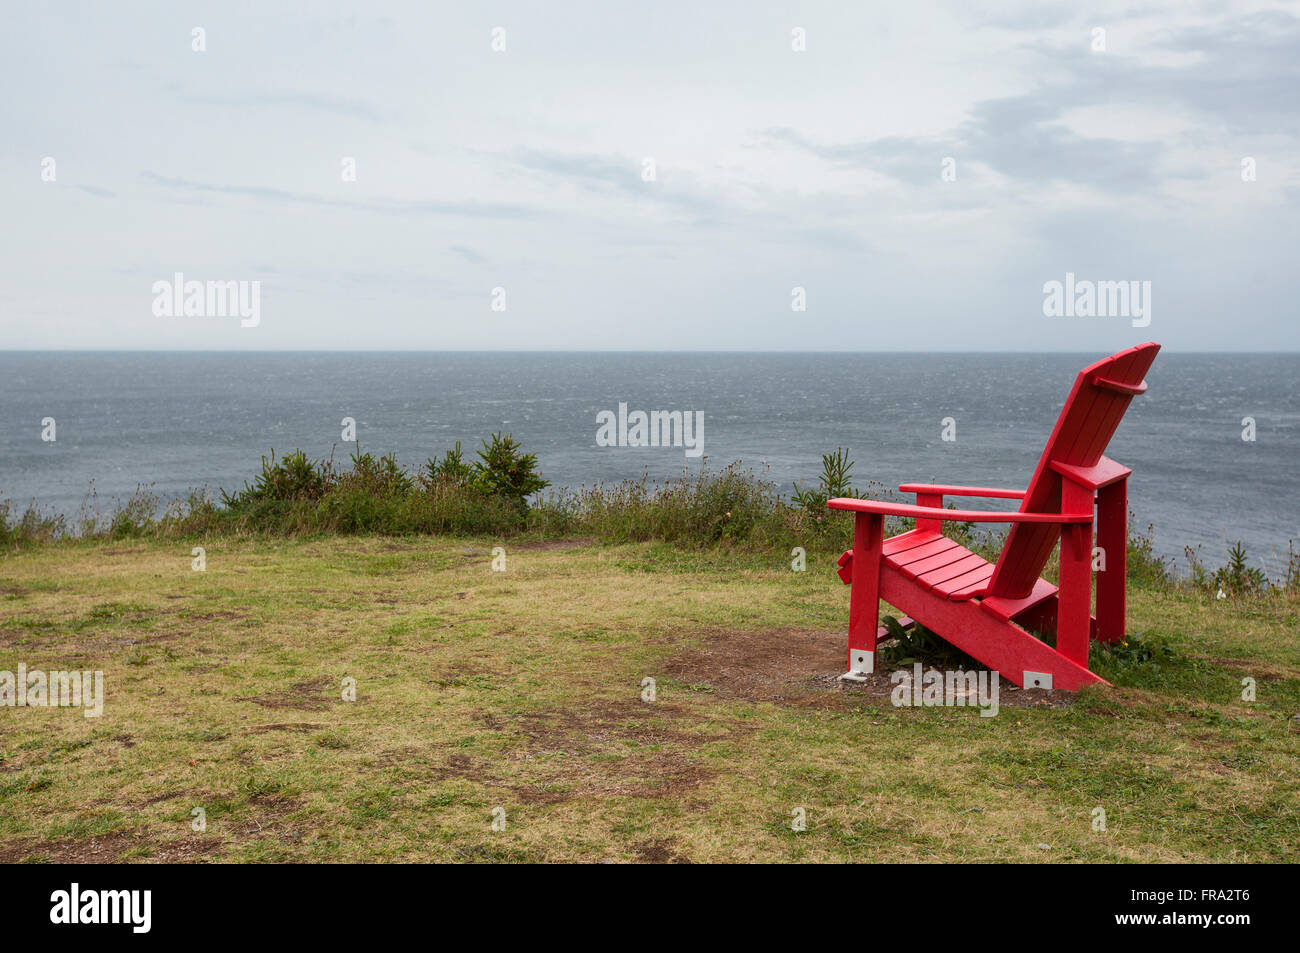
(774, 169)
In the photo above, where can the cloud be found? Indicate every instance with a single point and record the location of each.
(672, 187)
(1241, 74)
(1021, 137)
(378, 206)
(1244, 75)
(468, 254)
(586, 169)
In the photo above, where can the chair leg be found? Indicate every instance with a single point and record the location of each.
(1112, 537)
(1074, 594)
(864, 597)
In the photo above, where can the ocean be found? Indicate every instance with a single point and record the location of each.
(181, 420)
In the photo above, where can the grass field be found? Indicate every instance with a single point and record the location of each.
(515, 696)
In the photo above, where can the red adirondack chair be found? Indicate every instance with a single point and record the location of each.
(983, 608)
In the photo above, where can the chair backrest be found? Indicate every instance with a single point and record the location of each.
(1093, 410)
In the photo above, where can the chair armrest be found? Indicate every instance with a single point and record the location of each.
(946, 490)
(957, 516)
(1103, 474)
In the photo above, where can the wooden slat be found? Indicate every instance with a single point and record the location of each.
(906, 541)
(976, 587)
(951, 571)
(930, 556)
(967, 583)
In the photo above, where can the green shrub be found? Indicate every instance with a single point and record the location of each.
(452, 469)
(294, 477)
(836, 480)
(296, 494)
(379, 477)
(1238, 579)
(1234, 579)
(503, 469)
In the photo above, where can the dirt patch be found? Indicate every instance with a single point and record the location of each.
(1009, 696)
(110, 849)
(658, 852)
(802, 667)
(1012, 697)
(303, 696)
(186, 849)
(772, 665)
(267, 818)
(98, 850)
(459, 766)
(882, 685)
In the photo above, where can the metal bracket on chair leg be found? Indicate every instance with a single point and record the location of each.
(861, 664)
(1037, 680)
